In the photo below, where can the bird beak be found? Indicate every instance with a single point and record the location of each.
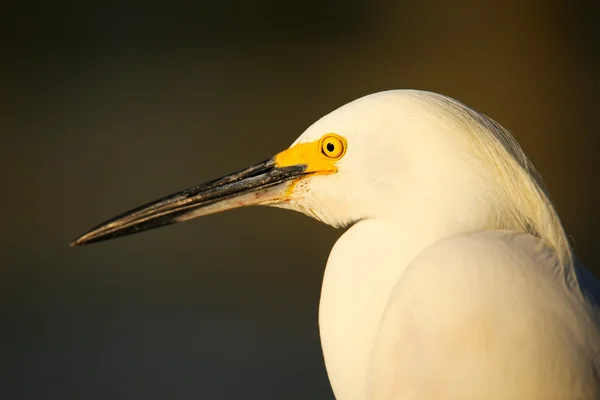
(268, 182)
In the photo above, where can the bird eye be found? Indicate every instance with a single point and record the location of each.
(333, 146)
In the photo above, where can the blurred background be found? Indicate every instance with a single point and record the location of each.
(105, 108)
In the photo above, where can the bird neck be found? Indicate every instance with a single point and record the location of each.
(362, 269)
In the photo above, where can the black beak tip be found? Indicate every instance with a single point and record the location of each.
(88, 238)
(77, 242)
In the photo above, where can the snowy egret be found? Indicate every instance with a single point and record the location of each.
(455, 280)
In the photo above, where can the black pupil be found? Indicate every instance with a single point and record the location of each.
(330, 147)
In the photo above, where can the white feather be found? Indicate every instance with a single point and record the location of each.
(457, 281)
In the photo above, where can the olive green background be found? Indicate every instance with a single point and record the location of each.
(105, 108)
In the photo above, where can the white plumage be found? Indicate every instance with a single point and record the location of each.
(425, 295)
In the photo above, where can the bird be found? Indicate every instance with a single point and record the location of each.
(454, 278)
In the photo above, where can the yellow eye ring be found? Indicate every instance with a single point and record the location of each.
(333, 146)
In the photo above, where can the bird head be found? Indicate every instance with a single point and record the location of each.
(392, 155)
(338, 171)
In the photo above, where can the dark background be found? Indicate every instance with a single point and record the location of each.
(108, 107)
